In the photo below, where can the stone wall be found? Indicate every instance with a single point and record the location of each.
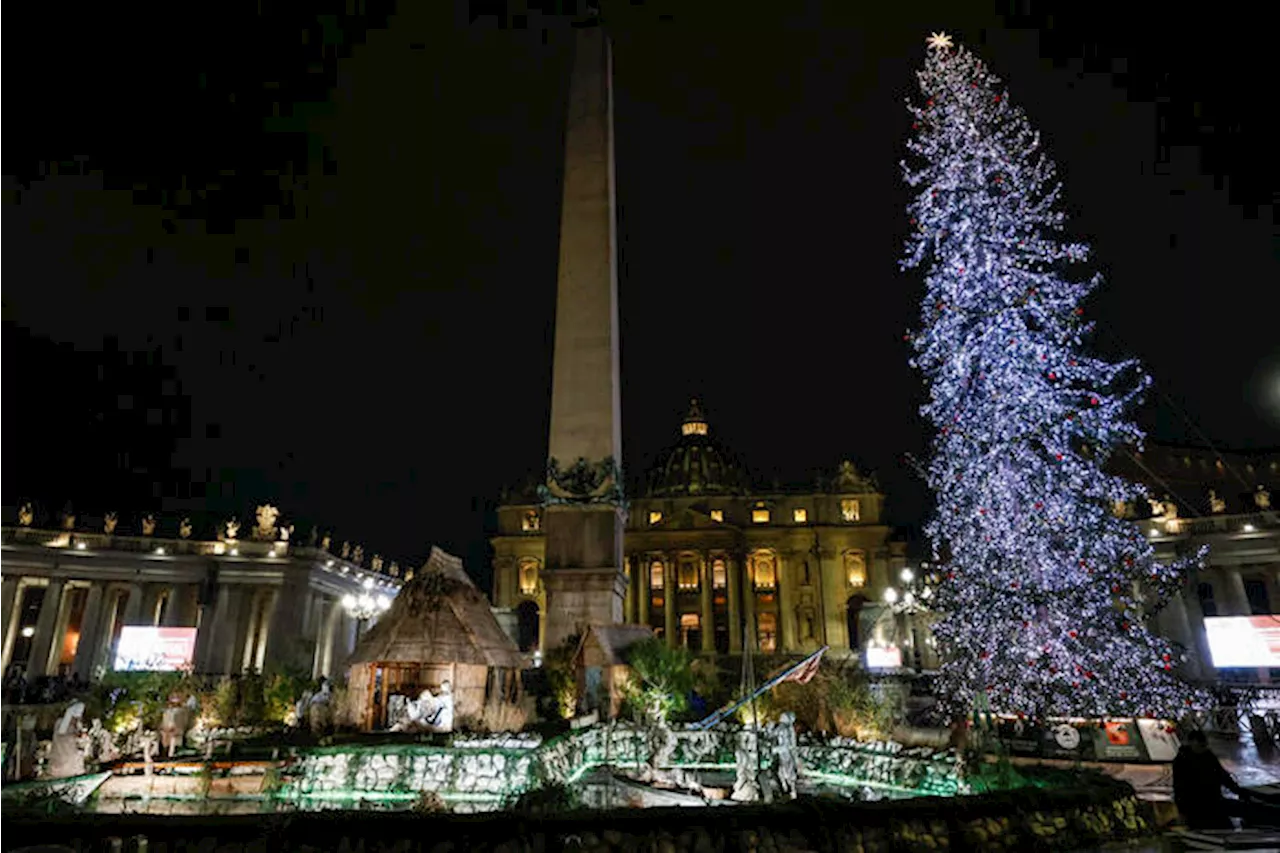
(502, 769)
(1084, 816)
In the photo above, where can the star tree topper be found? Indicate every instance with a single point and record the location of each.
(939, 41)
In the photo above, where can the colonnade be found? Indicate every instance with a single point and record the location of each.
(61, 626)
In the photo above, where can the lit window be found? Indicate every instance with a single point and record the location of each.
(850, 509)
(688, 622)
(799, 516)
(655, 575)
(717, 515)
(767, 624)
(719, 575)
(688, 575)
(765, 571)
(528, 576)
(855, 568)
(531, 522)
(759, 515)
(655, 516)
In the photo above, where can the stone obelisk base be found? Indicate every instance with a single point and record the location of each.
(583, 577)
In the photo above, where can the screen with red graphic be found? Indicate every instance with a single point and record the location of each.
(1243, 640)
(150, 649)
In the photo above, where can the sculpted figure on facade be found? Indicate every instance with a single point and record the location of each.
(395, 569)
(1262, 497)
(25, 515)
(1216, 504)
(266, 526)
(68, 518)
(109, 522)
(286, 533)
(325, 542)
(376, 563)
(184, 528)
(346, 550)
(148, 525)
(233, 529)
(357, 555)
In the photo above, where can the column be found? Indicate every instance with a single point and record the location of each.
(90, 633)
(734, 594)
(1236, 600)
(786, 616)
(133, 607)
(629, 597)
(210, 618)
(150, 599)
(643, 592)
(8, 601)
(44, 639)
(181, 612)
(751, 636)
(328, 618)
(669, 603)
(707, 620)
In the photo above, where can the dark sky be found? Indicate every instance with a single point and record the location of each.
(259, 254)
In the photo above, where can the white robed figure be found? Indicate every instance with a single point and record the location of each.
(66, 757)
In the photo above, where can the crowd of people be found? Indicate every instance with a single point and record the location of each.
(42, 690)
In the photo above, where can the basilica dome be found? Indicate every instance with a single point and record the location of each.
(696, 464)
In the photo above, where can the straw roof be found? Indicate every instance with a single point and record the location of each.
(614, 640)
(438, 617)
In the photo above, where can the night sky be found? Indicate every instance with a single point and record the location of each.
(310, 258)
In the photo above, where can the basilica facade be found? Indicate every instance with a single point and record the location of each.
(716, 565)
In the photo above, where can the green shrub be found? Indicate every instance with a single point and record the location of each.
(662, 678)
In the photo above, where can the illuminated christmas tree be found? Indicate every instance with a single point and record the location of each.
(1046, 593)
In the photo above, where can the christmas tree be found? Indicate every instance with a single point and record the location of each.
(1045, 592)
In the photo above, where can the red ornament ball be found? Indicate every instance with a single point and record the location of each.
(1093, 401)
(1079, 312)
(1071, 634)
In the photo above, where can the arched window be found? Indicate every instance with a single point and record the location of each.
(528, 576)
(688, 573)
(855, 569)
(690, 630)
(655, 575)
(527, 625)
(764, 570)
(719, 574)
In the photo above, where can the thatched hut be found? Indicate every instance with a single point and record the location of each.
(600, 665)
(438, 629)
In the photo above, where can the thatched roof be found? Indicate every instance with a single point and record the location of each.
(438, 617)
(614, 640)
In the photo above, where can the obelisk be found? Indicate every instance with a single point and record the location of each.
(584, 512)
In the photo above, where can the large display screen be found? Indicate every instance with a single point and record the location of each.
(1243, 641)
(884, 657)
(146, 648)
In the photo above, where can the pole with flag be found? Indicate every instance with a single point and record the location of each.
(801, 673)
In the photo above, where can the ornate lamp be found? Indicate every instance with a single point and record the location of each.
(366, 605)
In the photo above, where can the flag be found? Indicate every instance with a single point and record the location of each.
(804, 671)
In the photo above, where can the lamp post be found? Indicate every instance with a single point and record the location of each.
(913, 596)
(366, 605)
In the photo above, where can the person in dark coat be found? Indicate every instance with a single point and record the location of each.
(1198, 780)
